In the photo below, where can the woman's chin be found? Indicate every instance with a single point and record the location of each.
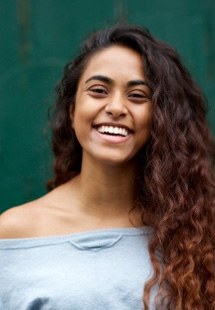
(112, 159)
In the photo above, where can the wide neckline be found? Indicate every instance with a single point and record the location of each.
(50, 240)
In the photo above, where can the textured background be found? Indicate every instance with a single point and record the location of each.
(38, 37)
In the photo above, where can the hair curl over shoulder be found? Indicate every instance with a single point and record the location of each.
(175, 183)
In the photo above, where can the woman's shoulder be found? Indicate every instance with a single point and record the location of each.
(19, 221)
(45, 215)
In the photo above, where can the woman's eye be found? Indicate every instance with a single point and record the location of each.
(98, 90)
(138, 96)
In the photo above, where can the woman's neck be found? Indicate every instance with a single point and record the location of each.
(106, 189)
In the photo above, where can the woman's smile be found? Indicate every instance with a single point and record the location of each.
(112, 134)
(114, 130)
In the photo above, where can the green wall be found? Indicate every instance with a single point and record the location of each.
(39, 36)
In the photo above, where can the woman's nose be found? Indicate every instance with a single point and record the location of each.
(116, 108)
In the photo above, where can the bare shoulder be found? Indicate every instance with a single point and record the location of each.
(48, 215)
(18, 221)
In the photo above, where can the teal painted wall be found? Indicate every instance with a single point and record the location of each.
(38, 37)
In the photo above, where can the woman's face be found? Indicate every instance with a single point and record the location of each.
(112, 115)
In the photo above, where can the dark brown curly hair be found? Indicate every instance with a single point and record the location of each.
(175, 183)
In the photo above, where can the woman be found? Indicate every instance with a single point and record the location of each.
(131, 211)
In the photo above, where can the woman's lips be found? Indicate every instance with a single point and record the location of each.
(112, 138)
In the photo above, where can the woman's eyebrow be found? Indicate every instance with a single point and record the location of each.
(137, 82)
(101, 78)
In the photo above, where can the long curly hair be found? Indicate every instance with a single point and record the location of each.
(175, 183)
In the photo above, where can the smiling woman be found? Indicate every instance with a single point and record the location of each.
(130, 212)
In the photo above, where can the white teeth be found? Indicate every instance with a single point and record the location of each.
(113, 130)
(116, 130)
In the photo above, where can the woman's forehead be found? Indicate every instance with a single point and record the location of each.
(115, 61)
